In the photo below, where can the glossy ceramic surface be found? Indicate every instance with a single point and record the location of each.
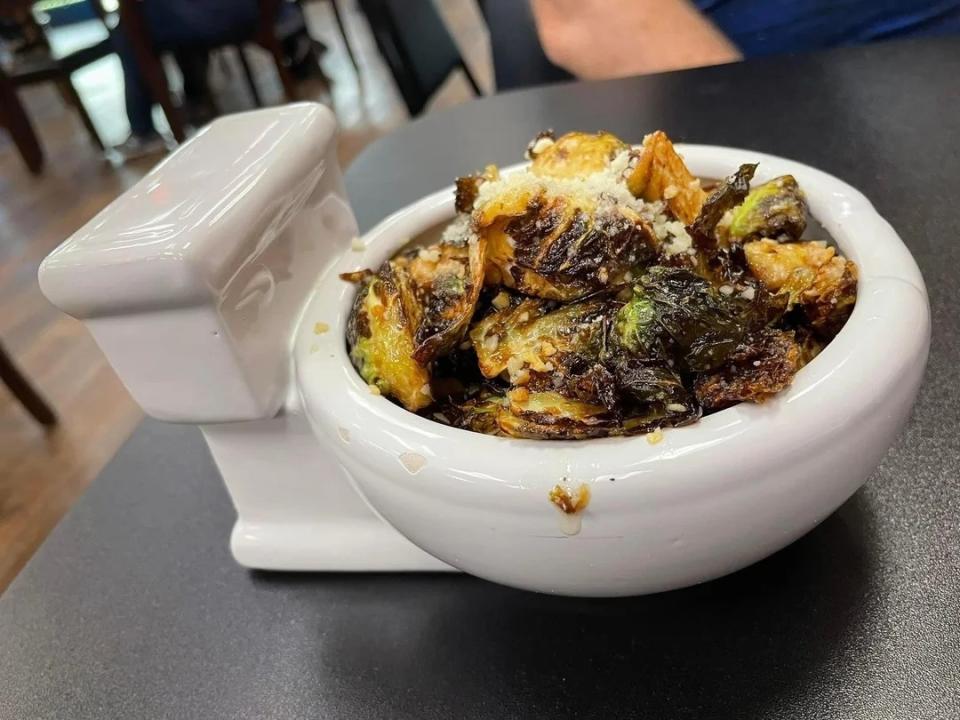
(193, 280)
(707, 500)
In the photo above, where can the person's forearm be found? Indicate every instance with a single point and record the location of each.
(614, 38)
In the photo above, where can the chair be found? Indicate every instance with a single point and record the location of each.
(133, 23)
(338, 18)
(15, 119)
(48, 67)
(417, 47)
(24, 392)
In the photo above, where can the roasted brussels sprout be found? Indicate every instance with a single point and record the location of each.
(811, 275)
(550, 415)
(526, 337)
(381, 342)
(761, 366)
(439, 286)
(575, 154)
(659, 173)
(560, 239)
(776, 210)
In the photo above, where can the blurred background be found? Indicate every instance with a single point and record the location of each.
(60, 67)
(93, 93)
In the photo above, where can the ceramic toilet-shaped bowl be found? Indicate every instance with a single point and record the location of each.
(212, 287)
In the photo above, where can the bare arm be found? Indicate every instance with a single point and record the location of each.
(613, 38)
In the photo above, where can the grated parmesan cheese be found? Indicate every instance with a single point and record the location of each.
(607, 183)
(676, 239)
(458, 231)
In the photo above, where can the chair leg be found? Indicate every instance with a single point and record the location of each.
(470, 79)
(24, 392)
(133, 23)
(160, 91)
(272, 45)
(343, 34)
(15, 119)
(225, 67)
(77, 102)
(251, 82)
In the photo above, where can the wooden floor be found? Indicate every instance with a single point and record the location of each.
(42, 473)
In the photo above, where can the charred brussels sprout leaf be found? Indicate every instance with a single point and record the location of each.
(730, 193)
(775, 210)
(357, 276)
(468, 188)
(381, 343)
(809, 344)
(761, 366)
(649, 381)
(439, 286)
(478, 414)
(702, 326)
(582, 377)
(655, 416)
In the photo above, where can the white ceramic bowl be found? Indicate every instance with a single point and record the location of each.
(709, 499)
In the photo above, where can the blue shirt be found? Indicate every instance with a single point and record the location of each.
(765, 27)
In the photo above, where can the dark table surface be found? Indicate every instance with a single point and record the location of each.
(133, 607)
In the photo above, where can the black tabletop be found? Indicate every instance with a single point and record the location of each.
(133, 607)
